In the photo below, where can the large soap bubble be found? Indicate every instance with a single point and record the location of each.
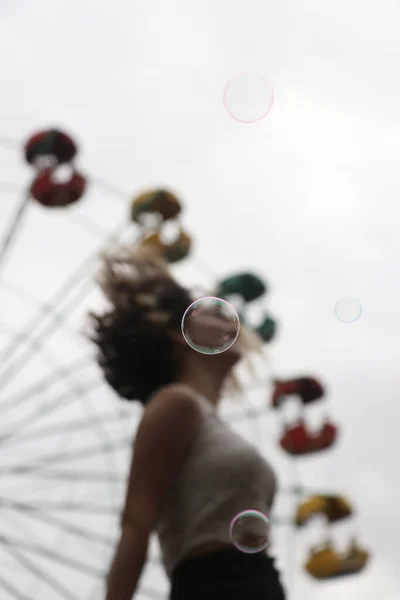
(210, 325)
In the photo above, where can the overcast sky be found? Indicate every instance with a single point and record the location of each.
(307, 197)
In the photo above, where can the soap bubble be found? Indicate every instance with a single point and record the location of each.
(248, 97)
(348, 310)
(210, 325)
(250, 531)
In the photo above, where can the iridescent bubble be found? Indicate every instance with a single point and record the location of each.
(210, 325)
(248, 97)
(250, 531)
(348, 310)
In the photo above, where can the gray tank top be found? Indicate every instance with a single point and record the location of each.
(221, 476)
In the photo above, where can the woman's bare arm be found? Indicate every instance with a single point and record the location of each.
(128, 563)
(162, 442)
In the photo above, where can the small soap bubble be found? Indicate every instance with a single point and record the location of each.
(210, 325)
(248, 97)
(348, 310)
(250, 531)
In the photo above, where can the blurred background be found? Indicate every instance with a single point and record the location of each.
(305, 197)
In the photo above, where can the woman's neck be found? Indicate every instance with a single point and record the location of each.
(203, 384)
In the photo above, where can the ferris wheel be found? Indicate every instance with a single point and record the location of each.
(65, 440)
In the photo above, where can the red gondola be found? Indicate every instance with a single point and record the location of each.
(51, 143)
(51, 193)
(297, 440)
(327, 436)
(308, 389)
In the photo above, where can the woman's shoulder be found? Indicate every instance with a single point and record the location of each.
(174, 397)
(175, 390)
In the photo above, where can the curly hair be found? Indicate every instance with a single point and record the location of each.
(134, 351)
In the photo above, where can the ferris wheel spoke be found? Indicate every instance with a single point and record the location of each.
(52, 554)
(20, 363)
(62, 506)
(30, 298)
(63, 371)
(40, 573)
(72, 426)
(43, 385)
(109, 187)
(87, 224)
(50, 357)
(98, 426)
(60, 558)
(55, 475)
(70, 528)
(16, 292)
(58, 298)
(12, 590)
(59, 403)
(72, 456)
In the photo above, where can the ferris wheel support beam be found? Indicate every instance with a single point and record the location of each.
(13, 230)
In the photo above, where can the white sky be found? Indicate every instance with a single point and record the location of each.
(307, 197)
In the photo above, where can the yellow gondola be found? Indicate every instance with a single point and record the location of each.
(173, 252)
(324, 562)
(355, 559)
(335, 508)
(179, 249)
(327, 563)
(308, 509)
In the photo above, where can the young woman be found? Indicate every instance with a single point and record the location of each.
(190, 474)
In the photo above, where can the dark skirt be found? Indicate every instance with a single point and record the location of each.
(228, 574)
